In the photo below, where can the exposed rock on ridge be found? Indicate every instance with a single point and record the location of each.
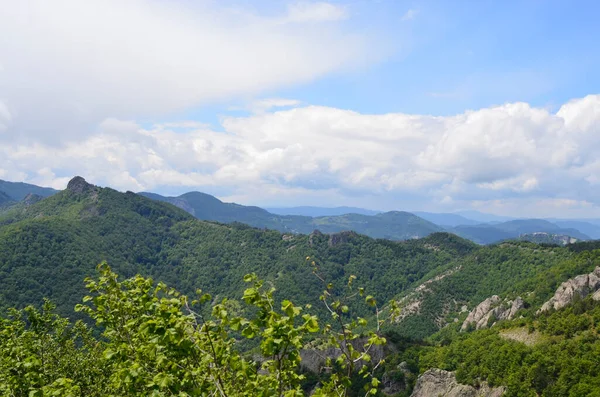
(437, 382)
(79, 185)
(580, 286)
(492, 308)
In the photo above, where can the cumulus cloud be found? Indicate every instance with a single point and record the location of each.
(513, 158)
(69, 63)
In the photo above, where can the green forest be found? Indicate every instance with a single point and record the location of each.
(203, 308)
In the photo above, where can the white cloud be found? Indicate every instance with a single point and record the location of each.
(5, 116)
(69, 63)
(263, 105)
(513, 158)
(307, 11)
(409, 15)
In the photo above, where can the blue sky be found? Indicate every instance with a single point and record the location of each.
(451, 56)
(385, 104)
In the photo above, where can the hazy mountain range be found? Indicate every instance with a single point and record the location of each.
(394, 225)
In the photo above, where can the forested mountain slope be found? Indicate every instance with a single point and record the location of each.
(47, 248)
(509, 270)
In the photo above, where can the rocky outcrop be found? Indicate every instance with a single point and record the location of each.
(79, 185)
(314, 359)
(440, 383)
(580, 286)
(31, 199)
(340, 238)
(492, 309)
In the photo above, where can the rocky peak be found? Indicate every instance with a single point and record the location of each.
(580, 286)
(494, 309)
(79, 185)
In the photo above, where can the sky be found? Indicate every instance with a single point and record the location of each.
(383, 104)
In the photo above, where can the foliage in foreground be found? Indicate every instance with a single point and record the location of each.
(157, 342)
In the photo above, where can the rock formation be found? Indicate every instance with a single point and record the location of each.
(580, 286)
(437, 382)
(79, 185)
(492, 308)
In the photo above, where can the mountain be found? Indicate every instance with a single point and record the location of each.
(393, 225)
(487, 234)
(590, 229)
(48, 247)
(18, 190)
(321, 211)
(475, 312)
(5, 199)
(484, 217)
(446, 219)
(390, 225)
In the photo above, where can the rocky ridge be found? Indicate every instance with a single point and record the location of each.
(492, 309)
(580, 286)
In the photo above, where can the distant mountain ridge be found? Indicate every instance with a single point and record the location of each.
(321, 211)
(19, 190)
(492, 233)
(5, 199)
(393, 225)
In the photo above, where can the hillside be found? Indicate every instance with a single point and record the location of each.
(47, 248)
(390, 225)
(18, 190)
(546, 345)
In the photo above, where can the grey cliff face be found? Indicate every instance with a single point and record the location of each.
(580, 286)
(492, 308)
(440, 383)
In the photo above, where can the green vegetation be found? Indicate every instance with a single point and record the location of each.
(508, 270)
(138, 337)
(47, 247)
(562, 360)
(156, 342)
